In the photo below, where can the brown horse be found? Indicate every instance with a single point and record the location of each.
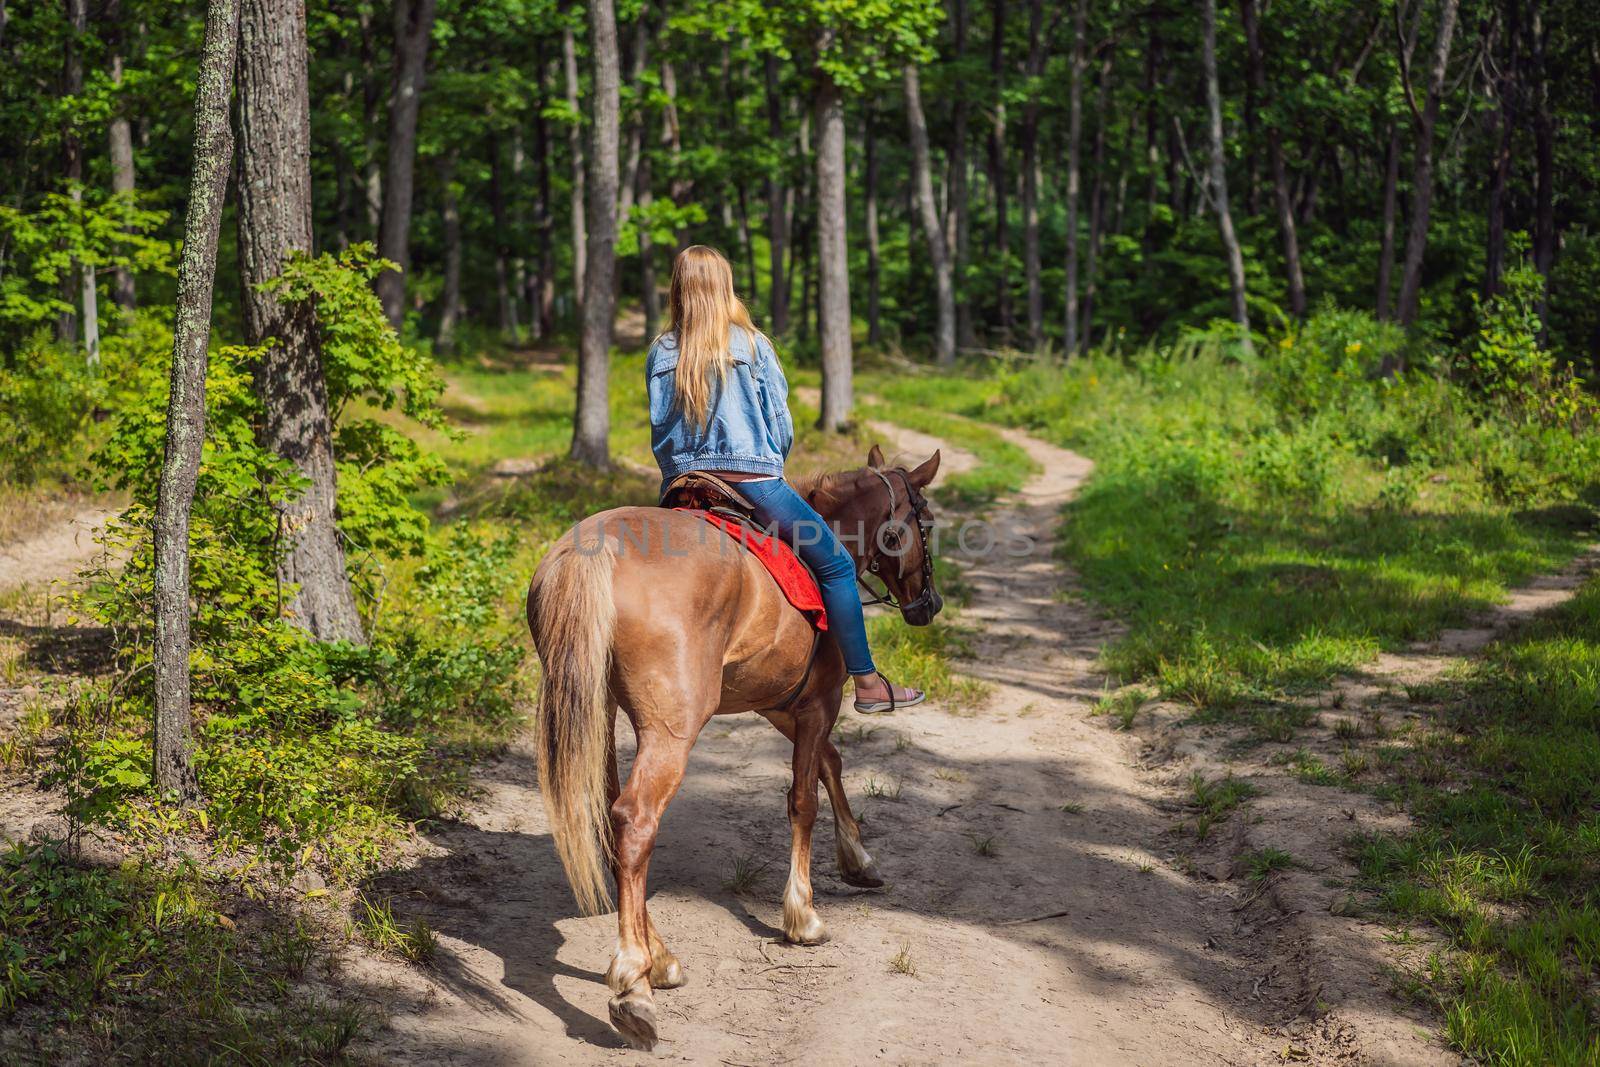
(656, 612)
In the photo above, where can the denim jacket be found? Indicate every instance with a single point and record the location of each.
(748, 427)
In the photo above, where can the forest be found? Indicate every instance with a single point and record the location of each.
(1273, 321)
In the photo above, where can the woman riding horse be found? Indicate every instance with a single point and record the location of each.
(657, 612)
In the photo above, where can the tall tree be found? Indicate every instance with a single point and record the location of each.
(450, 231)
(1424, 120)
(869, 139)
(778, 198)
(275, 223)
(1079, 61)
(932, 228)
(413, 25)
(833, 262)
(580, 240)
(1034, 68)
(997, 164)
(186, 403)
(120, 138)
(1219, 172)
(591, 427)
(1256, 62)
(958, 230)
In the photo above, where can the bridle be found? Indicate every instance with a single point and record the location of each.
(919, 508)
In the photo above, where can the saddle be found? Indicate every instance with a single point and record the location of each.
(700, 491)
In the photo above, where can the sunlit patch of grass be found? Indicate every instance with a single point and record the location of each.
(901, 962)
(1263, 862)
(1505, 856)
(413, 941)
(923, 657)
(1123, 706)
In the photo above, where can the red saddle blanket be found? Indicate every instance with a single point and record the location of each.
(797, 584)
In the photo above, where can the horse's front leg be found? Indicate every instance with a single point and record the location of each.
(801, 924)
(856, 865)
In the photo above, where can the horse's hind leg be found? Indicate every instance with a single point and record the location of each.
(801, 923)
(658, 770)
(856, 866)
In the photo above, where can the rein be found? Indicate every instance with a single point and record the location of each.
(918, 513)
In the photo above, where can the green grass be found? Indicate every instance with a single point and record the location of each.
(1505, 857)
(1215, 799)
(140, 965)
(1254, 542)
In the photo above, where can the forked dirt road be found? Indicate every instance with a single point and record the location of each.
(1034, 913)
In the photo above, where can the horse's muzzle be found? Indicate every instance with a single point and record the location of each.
(921, 612)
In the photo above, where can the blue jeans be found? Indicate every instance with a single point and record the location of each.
(778, 507)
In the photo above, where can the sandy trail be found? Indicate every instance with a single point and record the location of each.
(55, 554)
(1136, 963)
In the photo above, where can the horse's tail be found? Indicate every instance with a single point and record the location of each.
(572, 614)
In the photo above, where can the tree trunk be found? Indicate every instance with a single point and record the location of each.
(1030, 179)
(1280, 177)
(370, 96)
(450, 304)
(1505, 121)
(591, 429)
(504, 296)
(186, 403)
(1097, 196)
(120, 136)
(959, 231)
(1422, 168)
(997, 165)
(1391, 196)
(1152, 126)
(545, 283)
(650, 293)
(870, 194)
(833, 263)
(922, 170)
(1544, 155)
(275, 221)
(72, 162)
(580, 240)
(1069, 335)
(1219, 175)
(777, 210)
(413, 23)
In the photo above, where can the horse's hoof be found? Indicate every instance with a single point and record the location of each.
(669, 977)
(813, 932)
(866, 878)
(634, 1017)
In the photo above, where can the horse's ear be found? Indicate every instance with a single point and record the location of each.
(875, 457)
(923, 475)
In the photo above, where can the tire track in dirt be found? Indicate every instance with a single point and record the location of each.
(1035, 910)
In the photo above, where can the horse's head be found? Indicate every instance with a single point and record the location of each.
(883, 518)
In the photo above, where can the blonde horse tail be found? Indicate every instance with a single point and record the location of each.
(572, 614)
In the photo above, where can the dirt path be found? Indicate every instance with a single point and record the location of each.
(1033, 912)
(57, 553)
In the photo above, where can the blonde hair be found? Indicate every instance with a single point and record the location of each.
(704, 310)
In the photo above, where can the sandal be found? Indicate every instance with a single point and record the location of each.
(890, 706)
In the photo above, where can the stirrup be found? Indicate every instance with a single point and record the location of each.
(890, 706)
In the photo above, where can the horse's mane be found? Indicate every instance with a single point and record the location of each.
(832, 485)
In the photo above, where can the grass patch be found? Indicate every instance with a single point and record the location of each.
(140, 964)
(1505, 857)
(1215, 799)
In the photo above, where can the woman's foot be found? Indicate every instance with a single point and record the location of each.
(875, 696)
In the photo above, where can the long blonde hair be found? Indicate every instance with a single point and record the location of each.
(704, 311)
